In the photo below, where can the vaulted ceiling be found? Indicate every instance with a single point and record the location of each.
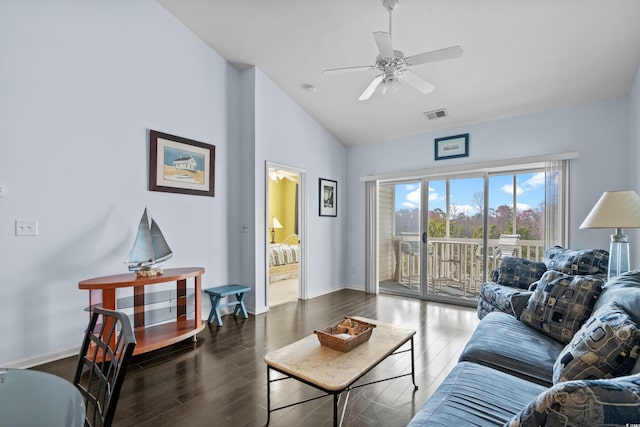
(520, 56)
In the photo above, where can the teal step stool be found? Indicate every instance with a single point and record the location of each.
(217, 293)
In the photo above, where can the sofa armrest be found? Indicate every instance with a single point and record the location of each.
(495, 297)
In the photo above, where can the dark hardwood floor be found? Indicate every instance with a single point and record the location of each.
(221, 379)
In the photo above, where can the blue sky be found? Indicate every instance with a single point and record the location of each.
(529, 191)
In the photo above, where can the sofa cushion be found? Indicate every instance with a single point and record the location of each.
(577, 262)
(585, 403)
(606, 346)
(519, 272)
(561, 303)
(502, 342)
(624, 290)
(475, 395)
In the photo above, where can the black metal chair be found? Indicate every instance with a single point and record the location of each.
(105, 354)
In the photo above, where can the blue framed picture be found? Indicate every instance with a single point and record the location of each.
(451, 147)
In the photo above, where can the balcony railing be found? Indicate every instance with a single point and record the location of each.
(455, 263)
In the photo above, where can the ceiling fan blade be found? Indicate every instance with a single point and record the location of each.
(383, 40)
(371, 88)
(417, 82)
(435, 55)
(349, 69)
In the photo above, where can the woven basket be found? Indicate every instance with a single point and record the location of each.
(328, 338)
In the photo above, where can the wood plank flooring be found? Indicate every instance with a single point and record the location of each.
(221, 379)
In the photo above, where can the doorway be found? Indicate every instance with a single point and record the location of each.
(284, 225)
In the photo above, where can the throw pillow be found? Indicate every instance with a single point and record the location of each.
(580, 262)
(561, 303)
(584, 403)
(606, 346)
(519, 272)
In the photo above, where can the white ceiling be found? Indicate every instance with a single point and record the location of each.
(520, 56)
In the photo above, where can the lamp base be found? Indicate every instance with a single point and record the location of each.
(618, 255)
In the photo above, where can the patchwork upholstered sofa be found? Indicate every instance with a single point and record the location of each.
(508, 291)
(570, 359)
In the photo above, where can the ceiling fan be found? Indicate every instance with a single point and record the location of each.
(394, 65)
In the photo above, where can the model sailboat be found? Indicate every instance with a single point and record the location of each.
(150, 248)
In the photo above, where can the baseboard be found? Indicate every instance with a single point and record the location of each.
(354, 287)
(42, 359)
(330, 291)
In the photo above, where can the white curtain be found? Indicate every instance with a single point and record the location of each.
(371, 236)
(556, 206)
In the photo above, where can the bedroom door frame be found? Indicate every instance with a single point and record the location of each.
(302, 227)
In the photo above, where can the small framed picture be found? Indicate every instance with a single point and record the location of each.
(328, 197)
(451, 147)
(180, 165)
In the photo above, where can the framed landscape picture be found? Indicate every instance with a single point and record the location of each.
(328, 193)
(451, 147)
(180, 165)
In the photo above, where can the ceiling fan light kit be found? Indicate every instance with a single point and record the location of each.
(394, 65)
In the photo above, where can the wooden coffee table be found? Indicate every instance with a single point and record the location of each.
(335, 372)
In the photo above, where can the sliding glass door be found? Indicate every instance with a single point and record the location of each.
(437, 235)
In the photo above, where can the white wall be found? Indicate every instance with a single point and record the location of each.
(286, 134)
(81, 83)
(599, 131)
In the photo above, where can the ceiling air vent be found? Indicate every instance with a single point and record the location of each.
(436, 114)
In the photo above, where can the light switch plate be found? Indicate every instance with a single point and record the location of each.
(26, 227)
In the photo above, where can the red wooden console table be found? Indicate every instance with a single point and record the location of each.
(102, 291)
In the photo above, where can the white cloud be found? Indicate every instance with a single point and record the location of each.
(536, 181)
(522, 207)
(413, 198)
(467, 209)
(507, 188)
(433, 195)
(533, 183)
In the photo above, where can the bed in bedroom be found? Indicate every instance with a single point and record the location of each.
(283, 259)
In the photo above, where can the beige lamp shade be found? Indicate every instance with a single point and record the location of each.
(276, 223)
(615, 209)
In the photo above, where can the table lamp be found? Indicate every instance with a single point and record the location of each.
(619, 210)
(275, 224)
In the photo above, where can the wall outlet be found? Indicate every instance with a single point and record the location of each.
(26, 228)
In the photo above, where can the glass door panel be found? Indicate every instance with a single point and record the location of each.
(456, 227)
(530, 207)
(517, 206)
(399, 248)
